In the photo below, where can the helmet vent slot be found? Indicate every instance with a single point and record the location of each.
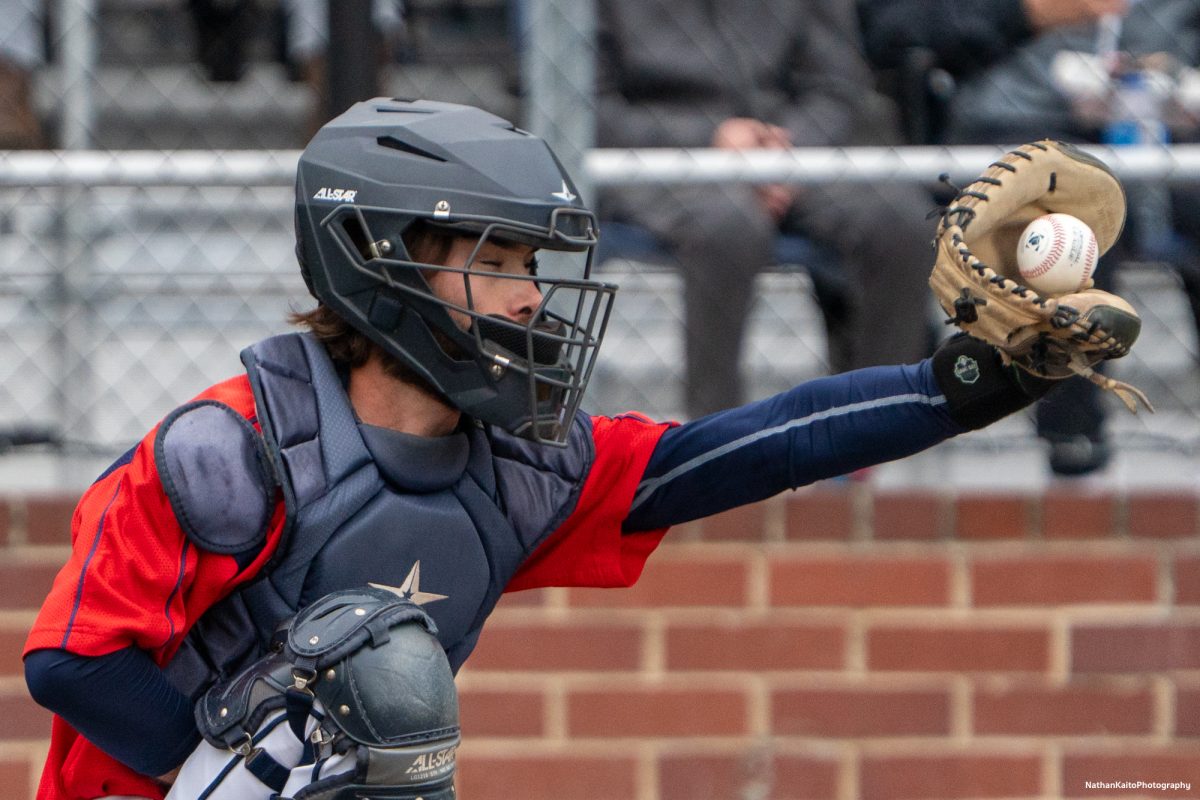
(404, 147)
(356, 230)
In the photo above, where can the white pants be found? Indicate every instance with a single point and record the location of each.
(224, 776)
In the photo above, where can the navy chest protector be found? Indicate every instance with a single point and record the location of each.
(444, 523)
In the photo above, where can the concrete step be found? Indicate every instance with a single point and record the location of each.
(175, 107)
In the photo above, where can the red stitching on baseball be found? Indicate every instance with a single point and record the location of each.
(1089, 263)
(1052, 255)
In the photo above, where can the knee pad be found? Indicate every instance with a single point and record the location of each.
(368, 668)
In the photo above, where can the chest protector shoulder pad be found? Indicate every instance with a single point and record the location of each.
(217, 475)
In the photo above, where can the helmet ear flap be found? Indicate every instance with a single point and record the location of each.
(301, 255)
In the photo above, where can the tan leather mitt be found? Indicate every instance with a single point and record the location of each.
(977, 284)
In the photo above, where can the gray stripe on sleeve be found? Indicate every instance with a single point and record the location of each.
(648, 487)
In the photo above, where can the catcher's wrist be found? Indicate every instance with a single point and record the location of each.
(979, 387)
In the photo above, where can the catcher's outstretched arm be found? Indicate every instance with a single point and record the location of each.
(825, 427)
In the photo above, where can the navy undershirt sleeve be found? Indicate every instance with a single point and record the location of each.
(121, 702)
(819, 429)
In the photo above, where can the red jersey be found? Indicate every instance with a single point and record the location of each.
(134, 578)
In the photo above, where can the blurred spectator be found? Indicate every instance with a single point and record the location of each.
(223, 28)
(967, 36)
(761, 74)
(223, 31)
(307, 37)
(22, 50)
(1058, 83)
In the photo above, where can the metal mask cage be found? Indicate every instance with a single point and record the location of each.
(570, 320)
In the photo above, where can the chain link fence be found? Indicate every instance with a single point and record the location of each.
(121, 297)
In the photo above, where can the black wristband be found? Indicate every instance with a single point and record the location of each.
(978, 386)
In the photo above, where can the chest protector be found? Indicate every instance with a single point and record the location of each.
(443, 522)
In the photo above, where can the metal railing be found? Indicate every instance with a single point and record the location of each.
(130, 280)
(602, 166)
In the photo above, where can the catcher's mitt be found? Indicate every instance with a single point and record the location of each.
(975, 276)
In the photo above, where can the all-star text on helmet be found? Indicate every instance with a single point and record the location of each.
(386, 165)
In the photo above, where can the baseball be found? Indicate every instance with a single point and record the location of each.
(1057, 254)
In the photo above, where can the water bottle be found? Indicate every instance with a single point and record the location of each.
(1137, 119)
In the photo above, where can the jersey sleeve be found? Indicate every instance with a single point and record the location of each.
(589, 548)
(819, 429)
(133, 577)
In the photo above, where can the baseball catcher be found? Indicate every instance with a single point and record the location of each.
(424, 432)
(977, 284)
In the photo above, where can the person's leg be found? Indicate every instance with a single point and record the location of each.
(884, 238)
(724, 242)
(307, 37)
(720, 239)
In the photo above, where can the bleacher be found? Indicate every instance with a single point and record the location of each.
(151, 93)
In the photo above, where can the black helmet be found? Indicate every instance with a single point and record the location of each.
(372, 173)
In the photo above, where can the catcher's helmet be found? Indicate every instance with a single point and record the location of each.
(385, 164)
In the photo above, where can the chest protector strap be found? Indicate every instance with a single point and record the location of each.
(313, 438)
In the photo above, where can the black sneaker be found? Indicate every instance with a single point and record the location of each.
(1078, 455)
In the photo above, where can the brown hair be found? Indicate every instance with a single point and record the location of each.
(347, 346)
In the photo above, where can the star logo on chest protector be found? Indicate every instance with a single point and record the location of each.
(411, 588)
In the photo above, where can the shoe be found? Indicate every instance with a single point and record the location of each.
(1078, 455)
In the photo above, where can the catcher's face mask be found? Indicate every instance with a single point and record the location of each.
(505, 331)
(504, 340)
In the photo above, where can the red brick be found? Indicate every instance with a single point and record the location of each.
(12, 643)
(1135, 648)
(17, 778)
(558, 647)
(742, 524)
(1065, 711)
(755, 647)
(1187, 712)
(820, 513)
(1132, 764)
(1042, 580)
(860, 582)
(1187, 580)
(48, 518)
(914, 515)
(991, 516)
(23, 718)
(1075, 514)
(487, 712)
(676, 581)
(1162, 515)
(632, 711)
(950, 776)
(25, 585)
(860, 712)
(721, 777)
(529, 598)
(958, 649)
(5, 525)
(546, 776)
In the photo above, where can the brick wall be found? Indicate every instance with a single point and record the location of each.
(832, 643)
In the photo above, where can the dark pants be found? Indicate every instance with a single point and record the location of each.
(721, 239)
